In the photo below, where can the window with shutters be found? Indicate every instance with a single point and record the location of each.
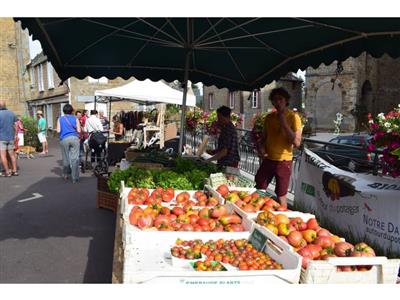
(50, 76)
(32, 76)
(40, 77)
(255, 95)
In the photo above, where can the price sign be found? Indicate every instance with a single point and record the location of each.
(258, 239)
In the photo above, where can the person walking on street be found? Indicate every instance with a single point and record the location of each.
(20, 131)
(8, 133)
(227, 153)
(93, 124)
(42, 132)
(69, 128)
(282, 131)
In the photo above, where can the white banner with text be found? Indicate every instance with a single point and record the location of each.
(362, 207)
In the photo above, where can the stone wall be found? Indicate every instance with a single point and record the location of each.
(365, 81)
(14, 55)
(327, 95)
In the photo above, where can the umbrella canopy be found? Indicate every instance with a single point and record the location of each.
(236, 53)
(146, 92)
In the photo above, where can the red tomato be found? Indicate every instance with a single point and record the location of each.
(178, 211)
(161, 220)
(186, 227)
(223, 190)
(312, 224)
(134, 216)
(295, 238)
(167, 197)
(324, 242)
(343, 249)
(202, 221)
(145, 221)
(193, 219)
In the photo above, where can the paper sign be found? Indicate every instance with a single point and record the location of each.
(258, 239)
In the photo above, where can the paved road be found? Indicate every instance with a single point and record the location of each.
(59, 238)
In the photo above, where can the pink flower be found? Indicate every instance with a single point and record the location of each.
(371, 147)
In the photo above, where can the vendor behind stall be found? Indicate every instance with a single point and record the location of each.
(118, 129)
(227, 153)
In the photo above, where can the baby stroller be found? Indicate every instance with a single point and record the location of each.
(98, 148)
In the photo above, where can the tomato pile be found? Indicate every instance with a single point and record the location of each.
(139, 196)
(311, 241)
(238, 253)
(250, 203)
(186, 218)
(208, 265)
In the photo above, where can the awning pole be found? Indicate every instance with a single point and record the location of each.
(183, 115)
(109, 121)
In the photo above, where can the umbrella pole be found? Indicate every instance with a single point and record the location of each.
(95, 101)
(183, 115)
(109, 121)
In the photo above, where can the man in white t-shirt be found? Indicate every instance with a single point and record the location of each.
(92, 124)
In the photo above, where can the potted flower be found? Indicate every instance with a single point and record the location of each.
(210, 124)
(385, 129)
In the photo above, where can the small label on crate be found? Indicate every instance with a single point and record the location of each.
(258, 239)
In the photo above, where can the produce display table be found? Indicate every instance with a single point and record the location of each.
(143, 253)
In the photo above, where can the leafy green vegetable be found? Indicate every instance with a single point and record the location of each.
(186, 174)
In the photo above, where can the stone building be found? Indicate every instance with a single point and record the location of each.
(365, 85)
(249, 104)
(49, 94)
(14, 55)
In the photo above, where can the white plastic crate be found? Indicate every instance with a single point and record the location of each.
(383, 270)
(131, 233)
(146, 262)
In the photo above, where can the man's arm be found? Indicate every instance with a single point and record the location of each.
(220, 154)
(58, 126)
(294, 137)
(78, 126)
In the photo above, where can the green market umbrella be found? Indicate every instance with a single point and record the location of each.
(236, 53)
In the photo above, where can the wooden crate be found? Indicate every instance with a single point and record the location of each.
(107, 200)
(102, 184)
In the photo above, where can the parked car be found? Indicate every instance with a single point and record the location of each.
(356, 160)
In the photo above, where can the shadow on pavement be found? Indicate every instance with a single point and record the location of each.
(63, 219)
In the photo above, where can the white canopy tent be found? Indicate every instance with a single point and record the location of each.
(146, 91)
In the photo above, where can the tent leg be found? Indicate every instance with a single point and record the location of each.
(185, 89)
(95, 102)
(109, 121)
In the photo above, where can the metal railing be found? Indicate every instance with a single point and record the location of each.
(249, 159)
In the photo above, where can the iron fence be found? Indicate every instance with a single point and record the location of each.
(249, 159)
